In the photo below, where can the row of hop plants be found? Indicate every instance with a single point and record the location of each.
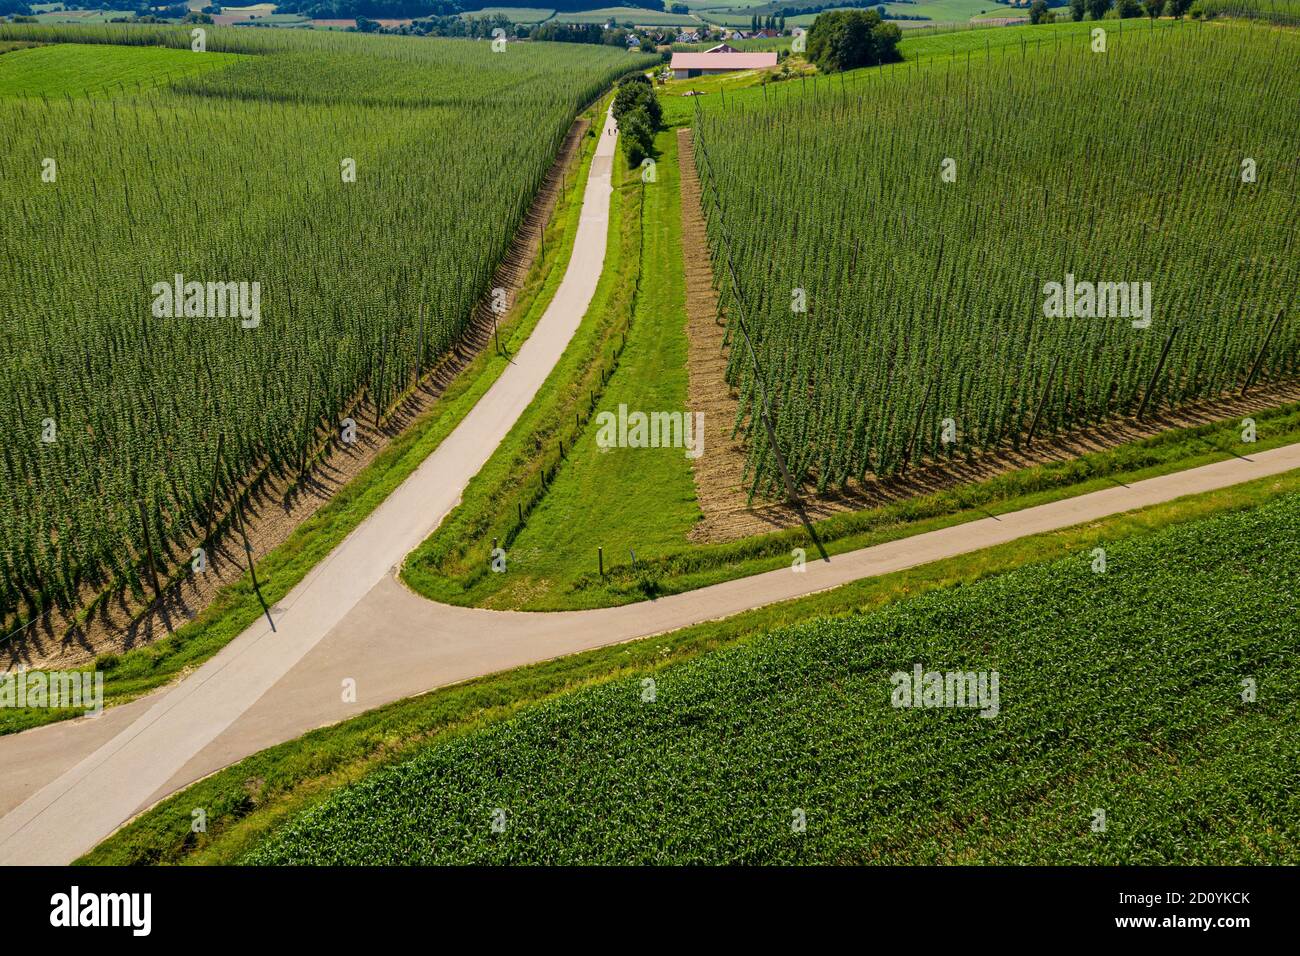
(1285, 12)
(924, 296)
(364, 285)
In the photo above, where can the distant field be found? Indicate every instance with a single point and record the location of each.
(281, 19)
(637, 15)
(514, 14)
(344, 23)
(954, 10)
(936, 11)
(74, 69)
(82, 16)
(700, 6)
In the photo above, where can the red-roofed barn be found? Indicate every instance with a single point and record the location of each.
(688, 65)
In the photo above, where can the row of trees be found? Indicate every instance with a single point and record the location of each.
(638, 114)
(1123, 9)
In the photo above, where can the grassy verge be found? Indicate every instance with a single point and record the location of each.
(249, 800)
(1162, 691)
(593, 494)
(136, 672)
(499, 500)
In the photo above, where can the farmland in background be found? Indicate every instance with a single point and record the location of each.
(525, 15)
(924, 297)
(83, 16)
(240, 180)
(933, 11)
(1105, 701)
(621, 15)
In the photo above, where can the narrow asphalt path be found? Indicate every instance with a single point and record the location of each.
(67, 786)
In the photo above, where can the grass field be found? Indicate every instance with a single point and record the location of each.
(83, 16)
(248, 801)
(75, 70)
(1104, 702)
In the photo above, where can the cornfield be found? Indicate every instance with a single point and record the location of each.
(889, 248)
(801, 717)
(113, 416)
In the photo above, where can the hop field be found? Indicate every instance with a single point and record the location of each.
(1162, 691)
(237, 176)
(889, 247)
